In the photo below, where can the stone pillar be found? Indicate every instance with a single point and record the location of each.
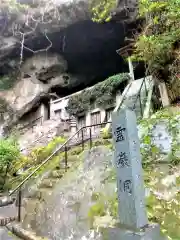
(131, 194)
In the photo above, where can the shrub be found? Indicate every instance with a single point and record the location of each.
(75, 151)
(101, 10)
(103, 205)
(38, 155)
(101, 142)
(9, 152)
(98, 209)
(106, 134)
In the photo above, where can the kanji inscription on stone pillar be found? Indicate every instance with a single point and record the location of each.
(131, 192)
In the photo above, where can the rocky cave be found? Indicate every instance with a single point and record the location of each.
(78, 56)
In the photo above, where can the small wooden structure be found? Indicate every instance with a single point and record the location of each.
(127, 51)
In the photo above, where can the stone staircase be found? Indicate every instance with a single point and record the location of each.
(33, 193)
(33, 197)
(8, 213)
(136, 100)
(41, 135)
(32, 200)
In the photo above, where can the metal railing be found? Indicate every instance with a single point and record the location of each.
(137, 99)
(140, 99)
(82, 136)
(63, 148)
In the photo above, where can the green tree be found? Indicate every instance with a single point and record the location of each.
(101, 10)
(9, 152)
(158, 45)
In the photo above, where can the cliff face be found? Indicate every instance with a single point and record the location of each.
(48, 47)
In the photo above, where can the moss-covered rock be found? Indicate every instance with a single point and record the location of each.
(160, 137)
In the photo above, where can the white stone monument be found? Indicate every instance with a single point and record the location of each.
(131, 193)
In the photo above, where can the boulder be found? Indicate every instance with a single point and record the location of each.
(28, 89)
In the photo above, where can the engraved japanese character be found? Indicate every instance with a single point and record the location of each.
(119, 134)
(122, 160)
(128, 186)
(120, 186)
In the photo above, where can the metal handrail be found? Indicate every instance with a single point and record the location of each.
(63, 145)
(139, 96)
(53, 154)
(123, 97)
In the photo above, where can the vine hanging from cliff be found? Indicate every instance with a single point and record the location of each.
(101, 95)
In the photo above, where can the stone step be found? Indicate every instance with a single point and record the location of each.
(62, 164)
(48, 183)
(44, 193)
(57, 174)
(40, 193)
(29, 210)
(5, 220)
(17, 229)
(29, 203)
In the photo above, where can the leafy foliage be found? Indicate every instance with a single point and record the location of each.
(151, 154)
(106, 134)
(165, 212)
(102, 94)
(162, 31)
(101, 10)
(38, 155)
(9, 153)
(158, 45)
(102, 206)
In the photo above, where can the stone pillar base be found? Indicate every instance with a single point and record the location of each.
(151, 232)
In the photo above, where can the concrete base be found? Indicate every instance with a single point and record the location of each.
(152, 232)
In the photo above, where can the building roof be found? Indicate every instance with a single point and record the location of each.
(127, 50)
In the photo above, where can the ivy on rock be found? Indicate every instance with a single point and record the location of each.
(102, 94)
